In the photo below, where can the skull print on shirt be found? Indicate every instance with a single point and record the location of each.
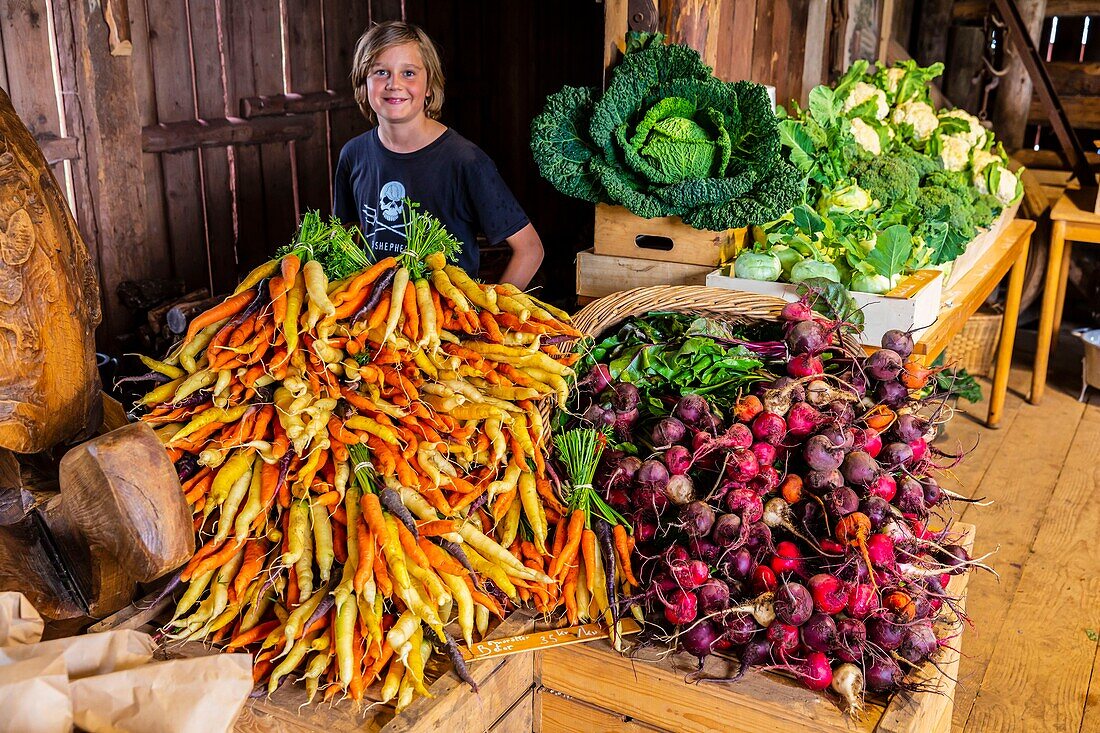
(385, 225)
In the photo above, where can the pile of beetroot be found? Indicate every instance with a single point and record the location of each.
(791, 529)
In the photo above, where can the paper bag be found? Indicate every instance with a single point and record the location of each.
(110, 651)
(198, 695)
(19, 622)
(34, 697)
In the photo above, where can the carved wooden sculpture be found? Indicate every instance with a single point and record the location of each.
(49, 303)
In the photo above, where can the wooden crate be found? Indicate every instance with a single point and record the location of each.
(600, 275)
(589, 687)
(619, 233)
(504, 703)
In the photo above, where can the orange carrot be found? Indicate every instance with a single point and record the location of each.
(588, 554)
(572, 544)
(254, 634)
(621, 541)
(226, 309)
(439, 558)
(251, 566)
(366, 558)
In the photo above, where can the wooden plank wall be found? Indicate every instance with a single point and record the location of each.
(242, 109)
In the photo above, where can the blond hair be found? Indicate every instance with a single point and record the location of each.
(385, 35)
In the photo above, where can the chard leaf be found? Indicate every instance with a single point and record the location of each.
(892, 249)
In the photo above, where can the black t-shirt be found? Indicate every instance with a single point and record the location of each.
(451, 178)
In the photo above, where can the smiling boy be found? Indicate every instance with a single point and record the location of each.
(398, 82)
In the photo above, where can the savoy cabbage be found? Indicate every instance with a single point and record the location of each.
(667, 138)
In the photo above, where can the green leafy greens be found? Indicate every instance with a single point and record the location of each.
(335, 246)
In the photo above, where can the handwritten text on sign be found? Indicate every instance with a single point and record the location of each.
(490, 648)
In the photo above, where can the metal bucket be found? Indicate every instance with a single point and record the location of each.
(1090, 365)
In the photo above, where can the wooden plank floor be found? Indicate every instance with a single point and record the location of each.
(1030, 662)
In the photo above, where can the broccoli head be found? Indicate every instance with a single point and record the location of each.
(890, 179)
(939, 203)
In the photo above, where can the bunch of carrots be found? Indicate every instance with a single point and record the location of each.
(592, 541)
(363, 452)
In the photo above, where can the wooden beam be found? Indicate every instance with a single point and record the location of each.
(963, 61)
(1083, 111)
(172, 137)
(1010, 106)
(974, 11)
(1048, 159)
(304, 103)
(1071, 78)
(57, 149)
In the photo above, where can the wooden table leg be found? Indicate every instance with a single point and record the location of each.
(1060, 299)
(1046, 315)
(1008, 338)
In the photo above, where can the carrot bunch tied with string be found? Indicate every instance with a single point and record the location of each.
(357, 487)
(590, 562)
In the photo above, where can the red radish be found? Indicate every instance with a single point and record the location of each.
(883, 674)
(883, 486)
(619, 499)
(676, 554)
(919, 447)
(740, 628)
(803, 419)
(769, 428)
(681, 607)
(793, 604)
(831, 546)
(819, 632)
(807, 337)
(652, 473)
(691, 574)
(742, 465)
(667, 432)
(815, 672)
(805, 365)
(796, 311)
(880, 548)
(788, 559)
(784, 639)
(678, 460)
(764, 452)
(830, 594)
(691, 408)
(698, 639)
(851, 640)
(763, 579)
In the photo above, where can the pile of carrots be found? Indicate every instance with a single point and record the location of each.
(364, 458)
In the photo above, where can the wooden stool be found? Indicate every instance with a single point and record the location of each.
(1074, 221)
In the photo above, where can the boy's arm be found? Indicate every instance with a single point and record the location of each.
(343, 198)
(526, 257)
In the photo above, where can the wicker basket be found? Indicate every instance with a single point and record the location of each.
(975, 346)
(728, 305)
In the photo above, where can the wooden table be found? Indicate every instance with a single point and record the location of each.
(962, 299)
(1074, 221)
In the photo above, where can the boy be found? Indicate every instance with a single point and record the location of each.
(398, 82)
